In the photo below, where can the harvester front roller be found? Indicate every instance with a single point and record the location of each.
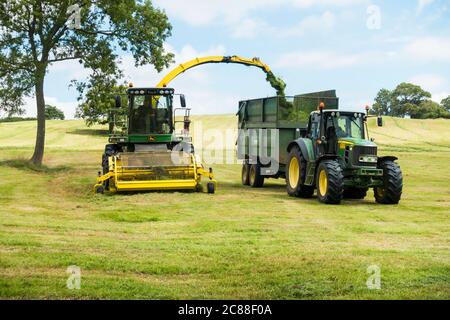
(154, 171)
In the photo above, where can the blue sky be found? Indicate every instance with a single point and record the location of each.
(354, 46)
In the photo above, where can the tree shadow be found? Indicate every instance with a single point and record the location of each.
(27, 165)
(90, 132)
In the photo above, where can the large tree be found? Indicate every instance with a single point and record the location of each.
(446, 103)
(37, 33)
(405, 95)
(53, 113)
(383, 101)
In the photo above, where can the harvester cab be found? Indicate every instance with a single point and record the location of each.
(145, 152)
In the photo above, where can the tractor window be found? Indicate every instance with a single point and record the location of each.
(349, 125)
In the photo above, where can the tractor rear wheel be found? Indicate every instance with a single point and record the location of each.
(355, 193)
(256, 180)
(245, 174)
(391, 191)
(330, 182)
(296, 175)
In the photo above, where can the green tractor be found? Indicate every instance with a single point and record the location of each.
(318, 147)
(337, 158)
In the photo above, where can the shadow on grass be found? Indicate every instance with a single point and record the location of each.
(23, 164)
(90, 132)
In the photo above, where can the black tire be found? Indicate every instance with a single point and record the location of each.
(245, 174)
(211, 187)
(296, 184)
(331, 191)
(99, 189)
(355, 193)
(391, 192)
(256, 180)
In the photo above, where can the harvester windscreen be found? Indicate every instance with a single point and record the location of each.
(150, 114)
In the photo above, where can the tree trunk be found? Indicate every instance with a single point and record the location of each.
(40, 133)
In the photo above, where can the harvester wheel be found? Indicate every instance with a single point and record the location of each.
(99, 189)
(256, 180)
(211, 187)
(296, 175)
(391, 191)
(330, 182)
(245, 174)
(355, 193)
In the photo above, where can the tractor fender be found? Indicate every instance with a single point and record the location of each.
(305, 146)
(389, 158)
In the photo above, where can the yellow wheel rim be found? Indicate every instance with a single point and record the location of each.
(323, 182)
(252, 174)
(294, 173)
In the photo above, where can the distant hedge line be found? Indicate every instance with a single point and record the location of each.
(16, 119)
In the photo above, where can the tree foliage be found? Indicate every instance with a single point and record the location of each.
(53, 113)
(408, 99)
(98, 100)
(446, 103)
(37, 33)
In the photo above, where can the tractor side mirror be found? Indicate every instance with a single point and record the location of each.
(182, 101)
(118, 102)
(380, 121)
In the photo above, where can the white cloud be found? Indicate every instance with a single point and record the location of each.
(429, 49)
(315, 23)
(71, 68)
(147, 76)
(249, 28)
(202, 12)
(236, 14)
(437, 85)
(67, 107)
(320, 59)
(422, 4)
(431, 82)
(310, 3)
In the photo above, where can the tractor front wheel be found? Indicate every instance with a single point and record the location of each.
(296, 175)
(391, 191)
(330, 182)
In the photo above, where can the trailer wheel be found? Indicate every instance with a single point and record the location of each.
(355, 193)
(391, 191)
(296, 175)
(245, 174)
(330, 182)
(256, 180)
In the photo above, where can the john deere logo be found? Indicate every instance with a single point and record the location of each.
(151, 138)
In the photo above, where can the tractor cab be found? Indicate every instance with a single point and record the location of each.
(334, 131)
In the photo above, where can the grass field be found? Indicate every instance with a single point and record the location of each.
(239, 243)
